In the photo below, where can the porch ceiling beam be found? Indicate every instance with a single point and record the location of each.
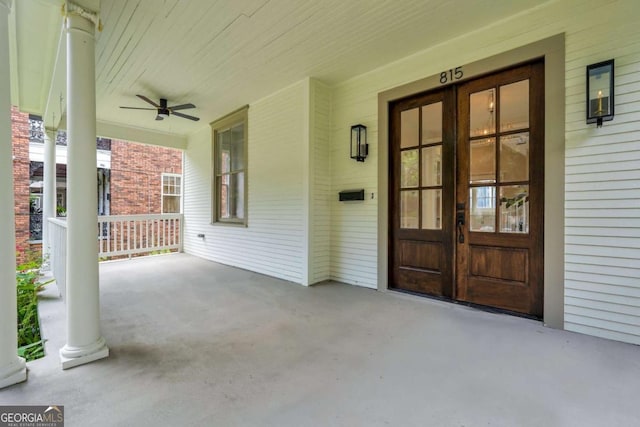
(145, 136)
(56, 103)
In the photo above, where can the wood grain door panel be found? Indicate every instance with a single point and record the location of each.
(421, 242)
(499, 263)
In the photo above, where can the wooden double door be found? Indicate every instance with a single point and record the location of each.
(467, 191)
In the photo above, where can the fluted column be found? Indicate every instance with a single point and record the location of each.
(12, 368)
(84, 341)
(49, 193)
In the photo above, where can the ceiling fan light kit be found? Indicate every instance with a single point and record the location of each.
(163, 110)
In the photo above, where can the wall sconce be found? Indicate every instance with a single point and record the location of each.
(600, 92)
(359, 146)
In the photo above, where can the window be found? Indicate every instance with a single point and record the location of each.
(171, 192)
(230, 168)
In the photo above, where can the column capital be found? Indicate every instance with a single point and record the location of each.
(71, 10)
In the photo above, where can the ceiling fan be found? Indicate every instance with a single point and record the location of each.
(164, 110)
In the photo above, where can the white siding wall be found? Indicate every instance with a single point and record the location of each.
(354, 224)
(274, 242)
(602, 190)
(602, 210)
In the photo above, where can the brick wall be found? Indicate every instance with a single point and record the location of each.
(136, 176)
(20, 140)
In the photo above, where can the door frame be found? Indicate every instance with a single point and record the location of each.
(553, 51)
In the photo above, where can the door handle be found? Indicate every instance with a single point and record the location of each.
(460, 226)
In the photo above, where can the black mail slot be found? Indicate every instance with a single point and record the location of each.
(348, 195)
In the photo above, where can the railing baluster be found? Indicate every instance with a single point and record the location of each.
(164, 233)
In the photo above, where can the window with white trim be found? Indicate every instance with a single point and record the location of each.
(230, 168)
(171, 192)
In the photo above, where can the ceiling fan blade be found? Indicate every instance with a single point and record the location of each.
(144, 98)
(182, 107)
(138, 108)
(185, 116)
(159, 117)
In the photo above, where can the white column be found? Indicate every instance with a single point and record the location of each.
(49, 193)
(84, 341)
(12, 368)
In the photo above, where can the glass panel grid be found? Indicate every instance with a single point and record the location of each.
(170, 185)
(511, 206)
(421, 168)
(230, 162)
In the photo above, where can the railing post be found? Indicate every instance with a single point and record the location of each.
(49, 193)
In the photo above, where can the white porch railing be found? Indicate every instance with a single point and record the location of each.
(118, 235)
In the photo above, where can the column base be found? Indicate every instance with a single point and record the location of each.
(76, 356)
(15, 373)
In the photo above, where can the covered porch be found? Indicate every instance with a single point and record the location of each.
(194, 342)
(279, 88)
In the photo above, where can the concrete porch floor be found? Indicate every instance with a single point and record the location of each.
(195, 343)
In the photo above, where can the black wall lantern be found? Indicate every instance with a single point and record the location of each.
(359, 146)
(600, 92)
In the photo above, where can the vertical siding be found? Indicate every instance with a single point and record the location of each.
(273, 241)
(602, 209)
(320, 212)
(602, 225)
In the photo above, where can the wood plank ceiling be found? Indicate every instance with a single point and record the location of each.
(223, 54)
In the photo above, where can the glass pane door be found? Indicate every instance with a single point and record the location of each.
(499, 159)
(421, 167)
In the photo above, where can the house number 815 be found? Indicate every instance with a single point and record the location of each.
(451, 75)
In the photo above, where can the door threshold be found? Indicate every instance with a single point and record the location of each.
(480, 307)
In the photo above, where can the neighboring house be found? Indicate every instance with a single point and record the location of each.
(483, 184)
(132, 179)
